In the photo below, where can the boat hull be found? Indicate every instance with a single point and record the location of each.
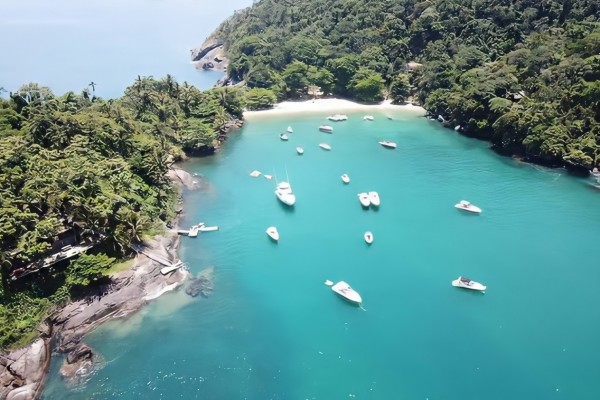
(472, 209)
(363, 198)
(473, 286)
(344, 290)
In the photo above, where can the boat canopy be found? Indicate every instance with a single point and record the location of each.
(465, 280)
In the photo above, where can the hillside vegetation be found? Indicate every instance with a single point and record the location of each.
(522, 74)
(90, 170)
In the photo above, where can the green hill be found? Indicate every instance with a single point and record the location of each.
(524, 75)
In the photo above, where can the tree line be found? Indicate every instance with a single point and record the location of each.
(523, 74)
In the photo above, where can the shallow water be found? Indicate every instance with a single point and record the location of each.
(273, 330)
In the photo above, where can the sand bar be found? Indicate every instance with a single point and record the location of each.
(330, 106)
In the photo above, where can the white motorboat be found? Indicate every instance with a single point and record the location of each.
(595, 172)
(326, 128)
(325, 146)
(364, 199)
(283, 136)
(368, 237)
(466, 206)
(374, 198)
(337, 117)
(345, 178)
(273, 233)
(268, 177)
(289, 129)
(255, 173)
(344, 290)
(466, 283)
(368, 118)
(388, 144)
(284, 193)
(299, 150)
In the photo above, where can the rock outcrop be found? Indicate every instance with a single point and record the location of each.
(203, 284)
(22, 371)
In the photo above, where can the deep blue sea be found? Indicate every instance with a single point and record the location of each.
(66, 44)
(273, 330)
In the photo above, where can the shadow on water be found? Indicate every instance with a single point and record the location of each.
(286, 208)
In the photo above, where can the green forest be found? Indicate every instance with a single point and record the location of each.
(80, 169)
(524, 75)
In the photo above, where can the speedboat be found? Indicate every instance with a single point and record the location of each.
(368, 118)
(466, 283)
(344, 290)
(284, 193)
(325, 146)
(364, 199)
(326, 128)
(466, 206)
(255, 173)
(388, 144)
(283, 136)
(268, 177)
(289, 129)
(345, 178)
(337, 117)
(374, 198)
(368, 237)
(299, 150)
(595, 172)
(273, 233)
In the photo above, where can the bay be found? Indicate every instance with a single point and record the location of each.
(273, 330)
(66, 44)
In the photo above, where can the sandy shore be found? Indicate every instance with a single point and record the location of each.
(331, 106)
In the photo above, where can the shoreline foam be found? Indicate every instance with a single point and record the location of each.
(330, 106)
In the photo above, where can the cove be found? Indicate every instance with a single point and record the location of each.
(273, 330)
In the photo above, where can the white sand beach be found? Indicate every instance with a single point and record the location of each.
(330, 106)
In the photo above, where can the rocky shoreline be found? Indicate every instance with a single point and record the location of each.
(23, 371)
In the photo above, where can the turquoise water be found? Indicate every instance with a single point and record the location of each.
(66, 44)
(273, 330)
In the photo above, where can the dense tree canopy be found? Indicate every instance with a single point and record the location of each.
(524, 75)
(80, 169)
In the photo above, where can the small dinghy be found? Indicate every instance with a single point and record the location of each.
(273, 233)
(364, 199)
(289, 129)
(368, 237)
(368, 118)
(268, 177)
(299, 150)
(345, 178)
(326, 128)
(255, 173)
(467, 283)
(325, 146)
(283, 137)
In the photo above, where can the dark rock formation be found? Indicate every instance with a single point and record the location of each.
(201, 285)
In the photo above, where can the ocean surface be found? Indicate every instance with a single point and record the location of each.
(66, 44)
(273, 330)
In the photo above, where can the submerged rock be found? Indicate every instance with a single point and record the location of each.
(79, 365)
(202, 284)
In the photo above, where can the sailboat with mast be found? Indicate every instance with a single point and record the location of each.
(284, 192)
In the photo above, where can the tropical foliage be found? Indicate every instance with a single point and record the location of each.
(77, 168)
(524, 75)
